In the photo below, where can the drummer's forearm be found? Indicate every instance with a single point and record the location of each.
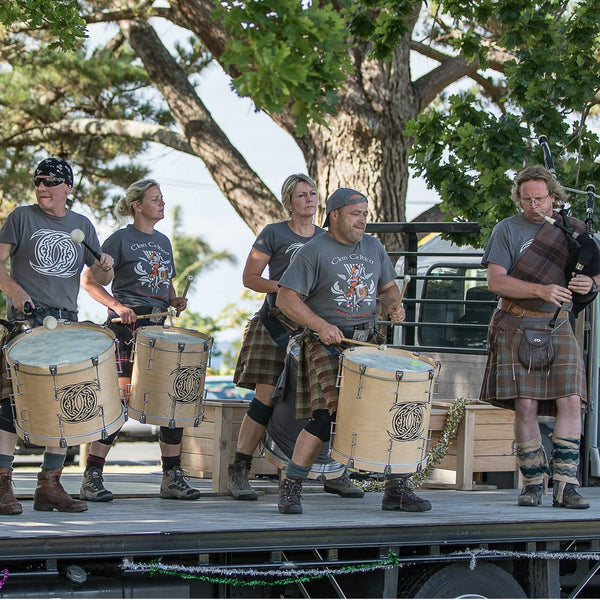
(294, 307)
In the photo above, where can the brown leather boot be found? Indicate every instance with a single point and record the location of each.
(50, 494)
(8, 502)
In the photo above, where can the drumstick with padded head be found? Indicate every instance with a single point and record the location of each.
(50, 322)
(79, 238)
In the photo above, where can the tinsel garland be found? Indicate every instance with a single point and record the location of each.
(252, 577)
(455, 415)
(543, 555)
(4, 577)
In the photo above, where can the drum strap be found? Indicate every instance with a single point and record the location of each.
(280, 335)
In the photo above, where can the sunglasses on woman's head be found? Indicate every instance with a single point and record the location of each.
(47, 181)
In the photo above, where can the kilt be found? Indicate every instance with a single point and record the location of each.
(318, 368)
(261, 360)
(506, 379)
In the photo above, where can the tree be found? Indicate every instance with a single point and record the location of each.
(337, 76)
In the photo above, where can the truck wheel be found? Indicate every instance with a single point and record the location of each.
(457, 580)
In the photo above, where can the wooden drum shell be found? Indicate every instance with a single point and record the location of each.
(80, 401)
(382, 423)
(167, 381)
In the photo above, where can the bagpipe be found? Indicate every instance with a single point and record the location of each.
(583, 246)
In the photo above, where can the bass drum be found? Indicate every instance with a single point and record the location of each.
(283, 427)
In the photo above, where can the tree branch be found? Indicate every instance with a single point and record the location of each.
(102, 128)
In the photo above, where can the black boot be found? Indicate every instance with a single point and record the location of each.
(398, 496)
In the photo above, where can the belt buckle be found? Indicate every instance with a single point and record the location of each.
(513, 308)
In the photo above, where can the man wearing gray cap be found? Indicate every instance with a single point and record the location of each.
(45, 264)
(331, 288)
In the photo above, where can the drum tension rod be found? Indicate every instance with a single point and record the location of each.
(361, 371)
(53, 370)
(95, 362)
(18, 383)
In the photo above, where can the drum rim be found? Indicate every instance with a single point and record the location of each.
(191, 332)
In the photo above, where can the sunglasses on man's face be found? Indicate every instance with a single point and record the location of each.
(47, 181)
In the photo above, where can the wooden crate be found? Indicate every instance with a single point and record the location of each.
(207, 450)
(484, 441)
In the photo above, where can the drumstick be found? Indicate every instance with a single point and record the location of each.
(360, 343)
(403, 291)
(168, 313)
(189, 280)
(79, 238)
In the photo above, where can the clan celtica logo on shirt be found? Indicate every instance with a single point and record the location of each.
(354, 288)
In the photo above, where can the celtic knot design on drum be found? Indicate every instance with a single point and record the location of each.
(408, 421)
(78, 402)
(188, 384)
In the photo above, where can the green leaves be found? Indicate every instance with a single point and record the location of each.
(60, 17)
(285, 55)
(471, 151)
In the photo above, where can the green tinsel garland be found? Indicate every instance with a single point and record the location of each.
(455, 415)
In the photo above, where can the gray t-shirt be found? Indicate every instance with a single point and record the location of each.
(44, 260)
(510, 238)
(143, 267)
(280, 243)
(338, 281)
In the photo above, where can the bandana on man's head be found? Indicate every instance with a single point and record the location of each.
(56, 167)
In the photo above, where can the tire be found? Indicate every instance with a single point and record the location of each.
(457, 580)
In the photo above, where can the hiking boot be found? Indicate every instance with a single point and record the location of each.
(398, 496)
(343, 486)
(531, 495)
(8, 502)
(237, 484)
(92, 487)
(175, 486)
(565, 495)
(289, 497)
(51, 495)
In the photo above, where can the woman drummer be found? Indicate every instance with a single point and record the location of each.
(263, 351)
(142, 285)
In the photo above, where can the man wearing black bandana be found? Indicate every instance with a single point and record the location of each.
(45, 265)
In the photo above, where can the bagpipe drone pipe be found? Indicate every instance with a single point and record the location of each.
(584, 248)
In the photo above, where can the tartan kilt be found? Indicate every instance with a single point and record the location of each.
(506, 379)
(318, 369)
(317, 376)
(261, 360)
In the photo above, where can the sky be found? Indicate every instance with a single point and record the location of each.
(185, 182)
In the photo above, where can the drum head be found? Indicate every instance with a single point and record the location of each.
(62, 346)
(388, 361)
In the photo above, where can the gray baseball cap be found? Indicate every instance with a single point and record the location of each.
(342, 197)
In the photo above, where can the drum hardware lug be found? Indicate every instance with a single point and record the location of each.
(171, 423)
(387, 470)
(431, 374)
(181, 347)
(399, 375)
(63, 442)
(197, 421)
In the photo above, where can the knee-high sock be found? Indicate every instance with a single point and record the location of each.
(565, 458)
(532, 461)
